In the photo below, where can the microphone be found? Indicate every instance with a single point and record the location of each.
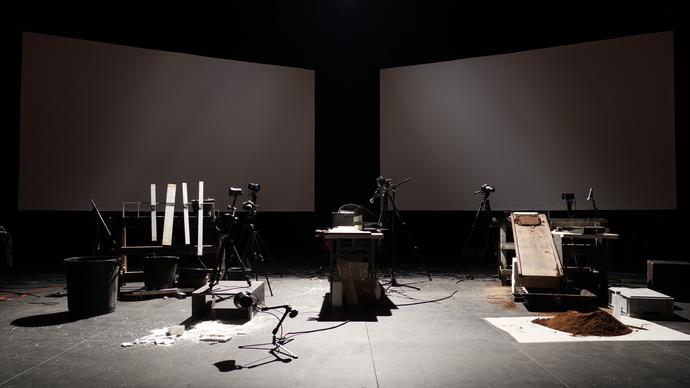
(376, 194)
(373, 198)
(589, 195)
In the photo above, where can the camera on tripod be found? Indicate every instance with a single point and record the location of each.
(382, 182)
(250, 205)
(254, 187)
(234, 192)
(227, 220)
(485, 190)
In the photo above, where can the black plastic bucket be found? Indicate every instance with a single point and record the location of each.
(92, 284)
(159, 272)
(193, 277)
(236, 273)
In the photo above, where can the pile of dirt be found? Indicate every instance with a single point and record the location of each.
(596, 323)
(504, 300)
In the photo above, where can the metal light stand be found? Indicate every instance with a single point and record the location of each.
(386, 195)
(484, 206)
(277, 345)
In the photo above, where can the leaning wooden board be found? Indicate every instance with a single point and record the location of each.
(538, 261)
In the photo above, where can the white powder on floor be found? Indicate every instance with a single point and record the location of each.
(208, 331)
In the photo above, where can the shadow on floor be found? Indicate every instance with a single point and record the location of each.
(356, 313)
(45, 320)
(227, 366)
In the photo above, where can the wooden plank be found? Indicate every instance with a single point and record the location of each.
(348, 282)
(185, 207)
(154, 231)
(200, 222)
(169, 214)
(535, 249)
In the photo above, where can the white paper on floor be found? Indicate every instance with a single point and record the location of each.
(525, 331)
(208, 331)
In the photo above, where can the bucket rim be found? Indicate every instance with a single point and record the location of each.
(161, 257)
(93, 259)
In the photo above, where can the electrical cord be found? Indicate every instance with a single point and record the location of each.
(276, 317)
(293, 334)
(428, 301)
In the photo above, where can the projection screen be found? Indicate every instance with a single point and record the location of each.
(102, 121)
(535, 124)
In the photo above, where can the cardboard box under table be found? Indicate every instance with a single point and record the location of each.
(353, 266)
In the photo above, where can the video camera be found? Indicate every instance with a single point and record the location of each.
(382, 182)
(251, 205)
(485, 190)
(234, 192)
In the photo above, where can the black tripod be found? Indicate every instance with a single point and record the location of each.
(385, 192)
(252, 251)
(227, 250)
(254, 244)
(484, 207)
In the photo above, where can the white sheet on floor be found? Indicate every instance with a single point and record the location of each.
(524, 331)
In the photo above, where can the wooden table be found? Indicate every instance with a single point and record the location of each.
(343, 246)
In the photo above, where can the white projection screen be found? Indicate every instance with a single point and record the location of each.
(535, 124)
(103, 122)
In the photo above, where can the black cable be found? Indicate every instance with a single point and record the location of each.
(276, 317)
(429, 301)
(358, 206)
(296, 333)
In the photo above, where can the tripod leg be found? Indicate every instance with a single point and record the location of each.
(262, 246)
(489, 240)
(282, 349)
(469, 237)
(415, 248)
(217, 266)
(242, 265)
(258, 258)
(249, 253)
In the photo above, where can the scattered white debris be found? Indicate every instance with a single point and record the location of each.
(215, 338)
(177, 330)
(207, 331)
(126, 344)
(164, 341)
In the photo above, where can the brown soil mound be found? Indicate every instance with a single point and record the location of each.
(505, 300)
(599, 323)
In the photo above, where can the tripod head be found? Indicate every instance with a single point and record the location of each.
(251, 206)
(226, 221)
(385, 186)
(485, 190)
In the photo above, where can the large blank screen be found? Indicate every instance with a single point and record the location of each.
(103, 122)
(535, 124)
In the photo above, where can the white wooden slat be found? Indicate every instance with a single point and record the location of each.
(154, 231)
(200, 221)
(169, 214)
(185, 203)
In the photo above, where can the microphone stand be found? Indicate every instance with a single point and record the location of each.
(277, 345)
(386, 195)
(590, 197)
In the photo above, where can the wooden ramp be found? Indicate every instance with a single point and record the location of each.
(539, 265)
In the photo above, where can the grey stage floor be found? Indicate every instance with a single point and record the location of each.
(435, 337)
